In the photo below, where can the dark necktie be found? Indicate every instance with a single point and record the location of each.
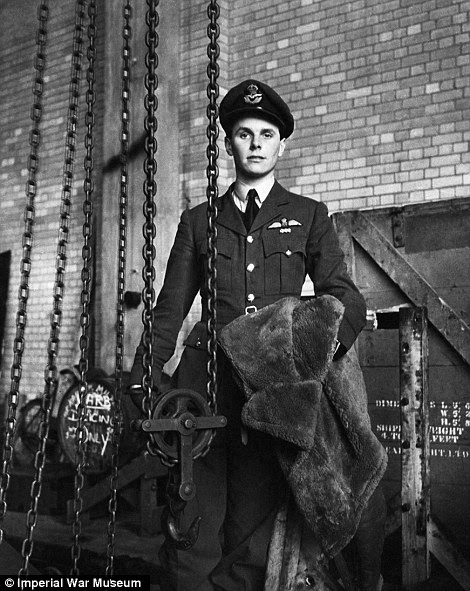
(251, 208)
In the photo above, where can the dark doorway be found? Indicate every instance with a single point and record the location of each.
(5, 258)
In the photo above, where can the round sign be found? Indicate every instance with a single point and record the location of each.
(97, 424)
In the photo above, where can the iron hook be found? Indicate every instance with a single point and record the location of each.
(180, 540)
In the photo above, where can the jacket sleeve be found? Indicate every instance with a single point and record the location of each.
(327, 269)
(181, 285)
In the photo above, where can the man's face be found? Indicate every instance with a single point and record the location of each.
(256, 146)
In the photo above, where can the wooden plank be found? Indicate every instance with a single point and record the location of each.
(143, 465)
(429, 232)
(276, 551)
(449, 556)
(454, 329)
(414, 402)
(379, 349)
(290, 562)
(394, 514)
(342, 223)
(284, 549)
(150, 510)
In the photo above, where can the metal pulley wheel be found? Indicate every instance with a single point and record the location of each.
(180, 413)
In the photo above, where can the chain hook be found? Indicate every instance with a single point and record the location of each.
(181, 430)
(180, 540)
(171, 513)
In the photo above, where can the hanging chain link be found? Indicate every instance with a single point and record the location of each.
(25, 267)
(117, 410)
(88, 188)
(213, 52)
(149, 208)
(50, 374)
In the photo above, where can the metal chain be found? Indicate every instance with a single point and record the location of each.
(56, 315)
(88, 188)
(25, 267)
(213, 52)
(117, 410)
(149, 207)
(50, 374)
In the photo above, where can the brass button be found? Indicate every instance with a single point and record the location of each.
(288, 252)
(250, 268)
(249, 239)
(250, 297)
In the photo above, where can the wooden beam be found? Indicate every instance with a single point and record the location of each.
(342, 224)
(414, 404)
(295, 558)
(150, 510)
(276, 550)
(453, 561)
(452, 327)
(394, 511)
(143, 465)
(284, 550)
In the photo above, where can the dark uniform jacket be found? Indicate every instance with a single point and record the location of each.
(291, 236)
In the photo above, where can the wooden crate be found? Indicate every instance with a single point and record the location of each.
(419, 256)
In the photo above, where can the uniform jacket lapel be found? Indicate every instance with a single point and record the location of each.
(272, 206)
(228, 214)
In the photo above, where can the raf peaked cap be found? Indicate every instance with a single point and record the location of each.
(255, 99)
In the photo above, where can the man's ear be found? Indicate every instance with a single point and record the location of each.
(282, 146)
(228, 146)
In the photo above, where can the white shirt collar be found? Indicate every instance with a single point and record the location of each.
(240, 191)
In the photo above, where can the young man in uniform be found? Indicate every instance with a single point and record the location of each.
(239, 484)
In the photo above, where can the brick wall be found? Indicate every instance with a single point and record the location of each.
(18, 48)
(193, 96)
(379, 91)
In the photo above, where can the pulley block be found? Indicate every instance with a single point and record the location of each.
(181, 429)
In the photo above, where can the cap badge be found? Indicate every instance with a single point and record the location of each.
(252, 95)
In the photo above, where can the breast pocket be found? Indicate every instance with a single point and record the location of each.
(284, 262)
(224, 262)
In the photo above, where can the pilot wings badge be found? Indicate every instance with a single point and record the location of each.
(284, 225)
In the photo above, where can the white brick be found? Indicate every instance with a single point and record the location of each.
(386, 138)
(414, 29)
(307, 28)
(431, 88)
